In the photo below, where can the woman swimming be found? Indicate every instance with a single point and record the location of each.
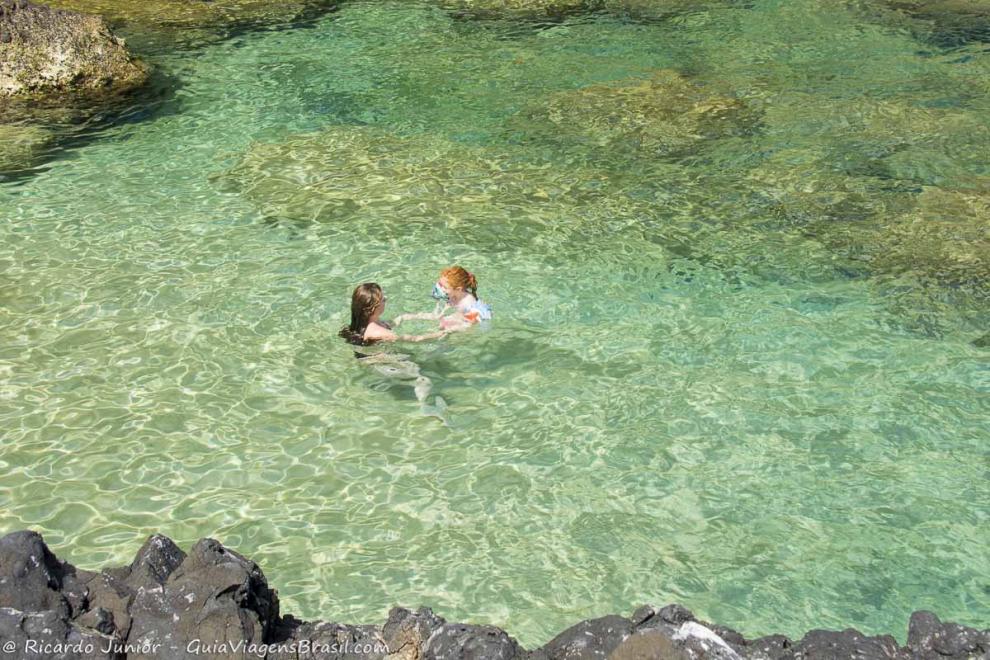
(366, 327)
(459, 290)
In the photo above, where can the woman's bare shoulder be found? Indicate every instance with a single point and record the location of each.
(376, 331)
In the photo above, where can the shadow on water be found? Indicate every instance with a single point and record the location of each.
(73, 127)
(511, 347)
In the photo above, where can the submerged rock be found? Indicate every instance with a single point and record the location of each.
(944, 240)
(635, 9)
(348, 172)
(48, 53)
(660, 116)
(527, 8)
(886, 184)
(658, 9)
(954, 21)
(934, 235)
(884, 139)
(172, 15)
(215, 603)
(804, 188)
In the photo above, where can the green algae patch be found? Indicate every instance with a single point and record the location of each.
(349, 172)
(665, 115)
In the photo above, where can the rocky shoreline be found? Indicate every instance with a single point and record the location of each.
(215, 603)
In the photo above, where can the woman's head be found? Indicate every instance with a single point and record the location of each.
(367, 302)
(455, 280)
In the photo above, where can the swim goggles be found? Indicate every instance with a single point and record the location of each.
(438, 292)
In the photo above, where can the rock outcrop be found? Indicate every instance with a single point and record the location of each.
(664, 115)
(214, 603)
(48, 52)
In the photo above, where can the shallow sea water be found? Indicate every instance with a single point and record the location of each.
(685, 395)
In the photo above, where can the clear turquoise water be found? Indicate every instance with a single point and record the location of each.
(688, 394)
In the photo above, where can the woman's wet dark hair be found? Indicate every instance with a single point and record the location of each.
(364, 302)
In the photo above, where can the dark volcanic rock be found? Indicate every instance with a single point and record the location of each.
(649, 644)
(215, 597)
(46, 52)
(454, 641)
(928, 637)
(48, 635)
(406, 632)
(590, 640)
(771, 647)
(155, 562)
(826, 644)
(30, 575)
(214, 603)
(296, 639)
(39, 594)
(112, 592)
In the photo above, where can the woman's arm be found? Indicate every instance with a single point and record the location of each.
(459, 326)
(432, 335)
(422, 316)
(437, 312)
(383, 334)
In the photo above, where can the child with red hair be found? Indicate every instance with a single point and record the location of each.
(459, 289)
